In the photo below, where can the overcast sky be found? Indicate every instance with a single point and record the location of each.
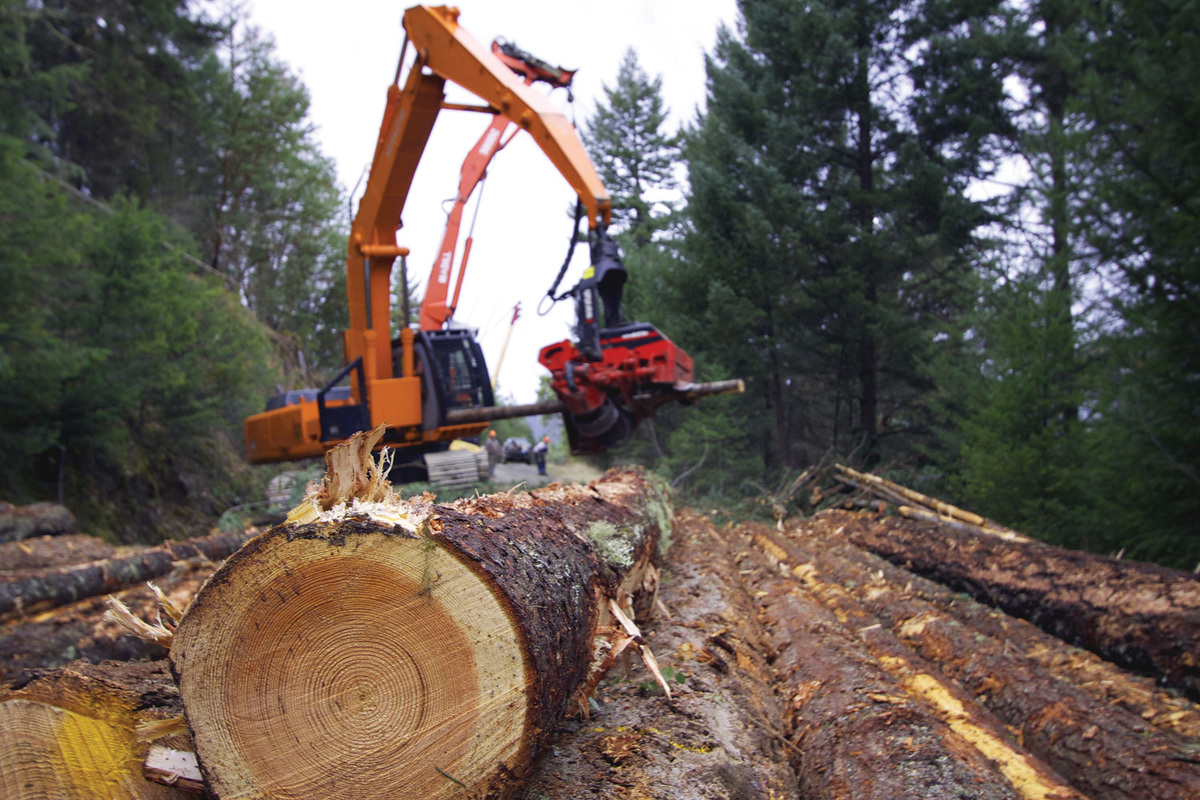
(347, 57)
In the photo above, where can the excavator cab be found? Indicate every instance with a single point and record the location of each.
(453, 373)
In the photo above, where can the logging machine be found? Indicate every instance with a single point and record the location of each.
(430, 386)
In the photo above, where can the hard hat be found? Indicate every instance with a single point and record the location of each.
(545, 438)
(491, 433)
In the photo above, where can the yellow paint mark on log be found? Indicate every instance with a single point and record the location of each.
(67, 755)
(1024, 775)
(96, 755)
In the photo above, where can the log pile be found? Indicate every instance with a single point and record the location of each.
(482, 649)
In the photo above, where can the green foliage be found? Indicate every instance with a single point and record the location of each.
(276, 222)
(116, 357)
(635, 157)
(1022, 445)
(828, 251)
(113, 88)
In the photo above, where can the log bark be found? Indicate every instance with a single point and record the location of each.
(721, 736)
(57, 587)
(45, 552)
(405, 649)
(1108, 683)
(1105, 752)
(871, 717)
(71, 733)
(1143, 617)
(39, 519)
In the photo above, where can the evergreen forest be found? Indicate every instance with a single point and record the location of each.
(954, 242)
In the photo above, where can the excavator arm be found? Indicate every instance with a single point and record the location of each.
(444, 52)
(430, 386)
(437, 307)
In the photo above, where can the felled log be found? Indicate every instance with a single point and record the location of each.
(72, 733)
(1105, 752)
(44, 552)
(80, 630)
(39, 519)
(56, 587)
(873, 718)
(1105, 681)
(721, 735)
(1143, 617)
(913, 504)
(373, 647)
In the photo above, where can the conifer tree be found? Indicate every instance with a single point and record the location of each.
(635, 156)
(829, 236)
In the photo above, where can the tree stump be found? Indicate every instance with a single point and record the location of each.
(375, 647)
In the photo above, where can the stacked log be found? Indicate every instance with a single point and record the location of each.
(80, 630)
(722, 733)
(1109, 684)
(1143, 617)
(44, 552)
(23, 594)
(870, 718)
(73, 732)
(1067, 727)
(39, 519)
(374, 646)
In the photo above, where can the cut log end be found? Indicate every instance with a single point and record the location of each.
(352, 665)
(72, 732)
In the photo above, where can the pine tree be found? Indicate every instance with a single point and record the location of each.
(124, 114)
(829, 234)
(1142, 219)
(635, 157)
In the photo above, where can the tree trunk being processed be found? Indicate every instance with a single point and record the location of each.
(1143, 617)
(372, 647)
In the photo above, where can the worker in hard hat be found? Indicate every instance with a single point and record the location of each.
(539, 454)
(494, 452)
